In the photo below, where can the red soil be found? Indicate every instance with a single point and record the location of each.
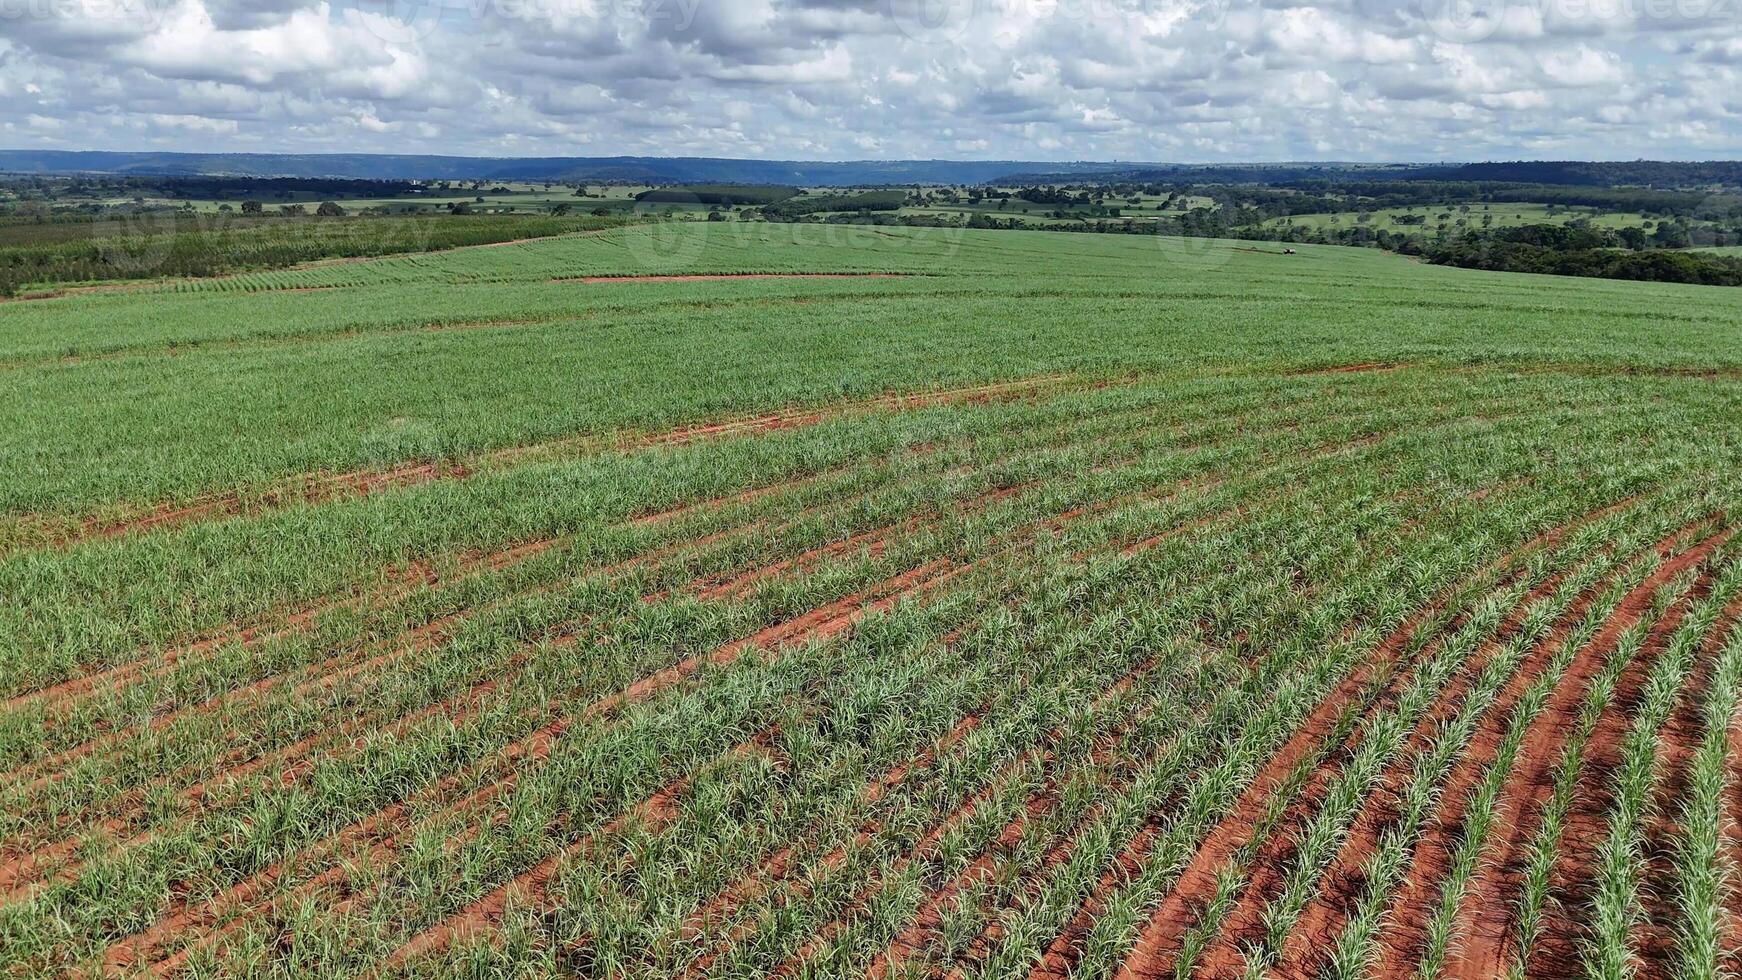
(1558, 951)
(828, 621)
(1484, 924)
(1275, 858)
(323, 487)
(1158, 944)
(1368, 367)
(1342, 885)
(1678, 741)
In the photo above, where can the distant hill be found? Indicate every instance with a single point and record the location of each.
(653, 170)
(847, 173)
(1566, 173)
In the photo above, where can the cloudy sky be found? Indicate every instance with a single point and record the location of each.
(1162, 80)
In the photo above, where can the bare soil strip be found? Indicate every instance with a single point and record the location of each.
(1159, 943)
(816, 626)
(1485, 921)
(1316, 931)
(328, 487)
(1677, 743)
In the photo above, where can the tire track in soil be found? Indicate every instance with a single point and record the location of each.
(829, 620)
(1485, 921)
(1341, 886)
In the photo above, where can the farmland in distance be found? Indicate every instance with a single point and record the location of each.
(731, 600)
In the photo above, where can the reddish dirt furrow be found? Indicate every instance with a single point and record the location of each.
(819, 624)
(1325, 451)
(1730, 846)
(1223, 956)
(58, 695)
(1558, 951)
(825, 622)
(399, 584)
(632, 440)
(1485, 920)
(1677, 743)
(530, 887)
(329, 487)
(1322, 920)
(1159, 942)
(311, 488)
(1061, 955)
(872, 542)
(1402, 942)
